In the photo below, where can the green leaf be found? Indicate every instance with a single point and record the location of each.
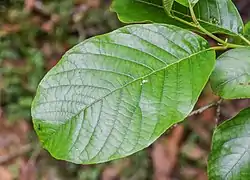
(217, 16)
(230, 155)
(115, 94)
(246, 34)
(193, 2)
(183, 2)
(168, 4)
(230, 78)
(134, 11)
(186, 3)
(247, 30)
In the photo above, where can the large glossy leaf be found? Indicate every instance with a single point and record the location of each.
(217, 16)
(230, 155)
(231, 76)
(114, 94)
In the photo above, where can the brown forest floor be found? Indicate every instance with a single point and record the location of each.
(33, 36)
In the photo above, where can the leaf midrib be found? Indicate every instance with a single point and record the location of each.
(101, 98)
(135, 80)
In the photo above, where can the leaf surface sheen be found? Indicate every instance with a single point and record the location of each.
(230, 155)
(115, 94)
(231, 76)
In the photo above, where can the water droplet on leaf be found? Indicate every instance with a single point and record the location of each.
(144, 81)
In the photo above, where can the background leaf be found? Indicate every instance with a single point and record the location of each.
(229, 158)
(217, 16)
(168, 4)
(115, 94)
(134, 11)
(247, 30)
(185, 2)
(230, 78)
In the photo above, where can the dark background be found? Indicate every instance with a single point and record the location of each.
(33, 36)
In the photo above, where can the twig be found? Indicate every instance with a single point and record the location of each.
(222, 48)
(204, 108)
(35, 153)
(39, 7)
(217, 117)
(23, 150)
(81, 31)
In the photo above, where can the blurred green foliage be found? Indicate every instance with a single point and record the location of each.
(32, 42)
(29, 46)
